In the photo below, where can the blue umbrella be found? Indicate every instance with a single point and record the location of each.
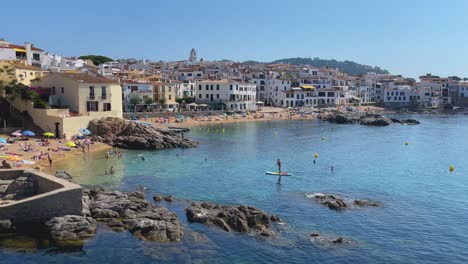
(85, 131)
(28, 133)
(2, 140)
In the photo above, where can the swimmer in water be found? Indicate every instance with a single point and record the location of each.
(177, 154)
(142, 158)
(331, 167)
(111, 170)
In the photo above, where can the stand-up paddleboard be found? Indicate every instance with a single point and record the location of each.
(275, 173)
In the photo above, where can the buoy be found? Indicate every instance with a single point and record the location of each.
(406, 143)
(451, 168)
(315, 155)
(323, 138)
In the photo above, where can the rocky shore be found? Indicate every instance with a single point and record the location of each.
(239, 219)
(132, 135)
(336, 202)
(368, 119)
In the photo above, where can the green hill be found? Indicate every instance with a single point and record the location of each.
(349, 67)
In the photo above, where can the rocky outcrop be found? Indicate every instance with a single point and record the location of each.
(335, 202)
(71, 230)
(328, 241)
(240, 219)
(132, 135)
(64, 175)
(367, 119)
(129, 211)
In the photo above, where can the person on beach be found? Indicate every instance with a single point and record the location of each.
(107, 154)
(278, 162)
(50, 160)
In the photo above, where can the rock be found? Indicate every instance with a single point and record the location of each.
(367, 119)
(132, 135)
(314, 234)
(129, 211)
(364, 203)
(71, 229)
(275, 218)
(241, 219)
(338, 203)
(339, 240)
(410, 121)
(6, 226)
(168, 198)
(64, 175)
(158, 198)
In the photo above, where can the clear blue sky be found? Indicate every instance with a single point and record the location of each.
(409, 37)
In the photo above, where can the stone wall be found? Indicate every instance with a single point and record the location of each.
(54, 197)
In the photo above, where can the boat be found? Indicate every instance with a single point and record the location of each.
(275, 173)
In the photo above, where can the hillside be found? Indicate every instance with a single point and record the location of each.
(348, 67)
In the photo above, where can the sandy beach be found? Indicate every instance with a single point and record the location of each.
(37, 157)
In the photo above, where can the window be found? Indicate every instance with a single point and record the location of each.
(207, 87)
(169, 88)
(217, 87)
(91, 92)
(217, 96)
(53, 90)
(199, 87)
(62, 90)
(230, 87)
(106, 107)
(36, 56)
(199, 96)
(103, 93)
(211, 87)
(170, 97)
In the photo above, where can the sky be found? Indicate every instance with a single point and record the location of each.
(408, 37)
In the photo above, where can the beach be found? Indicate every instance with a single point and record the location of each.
(37, 155)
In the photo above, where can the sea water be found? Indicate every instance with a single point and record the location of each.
(423, 217)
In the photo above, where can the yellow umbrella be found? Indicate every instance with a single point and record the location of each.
(48, 134)
(71, 144)
(12, 158)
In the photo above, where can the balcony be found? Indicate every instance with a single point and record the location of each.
(91, 97)
(104, 97)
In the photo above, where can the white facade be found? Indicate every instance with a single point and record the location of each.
(399, 96)
(229, 94)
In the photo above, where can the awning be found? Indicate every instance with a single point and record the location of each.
(20, 50)
(307, 87)
(260, 102)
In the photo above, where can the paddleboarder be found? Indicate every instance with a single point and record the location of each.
(278, 162)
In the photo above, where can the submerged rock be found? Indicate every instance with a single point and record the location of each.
(128, 211)
(240, 219)
(71, 229)
(335, 202)
(132, 135)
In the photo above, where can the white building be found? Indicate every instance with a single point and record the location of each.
(227, 94)
(399, 96)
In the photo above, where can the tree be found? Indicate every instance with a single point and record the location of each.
(134, 100)
(7, 77)
(96, 59)
(162, 101)
(148, 101)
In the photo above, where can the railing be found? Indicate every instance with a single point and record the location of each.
(91, 97)
(103, 97)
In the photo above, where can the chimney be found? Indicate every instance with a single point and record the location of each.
(29, 55)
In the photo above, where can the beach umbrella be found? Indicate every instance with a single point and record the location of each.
(48, 134)
(28, 133)
(2, 140)
(85, 131)
(16, 134)
(71, 144)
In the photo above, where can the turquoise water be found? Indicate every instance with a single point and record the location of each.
(423, 218)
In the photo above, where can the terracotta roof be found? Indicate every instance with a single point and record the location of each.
(14, 46)
(19, 65)
(85, 78)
